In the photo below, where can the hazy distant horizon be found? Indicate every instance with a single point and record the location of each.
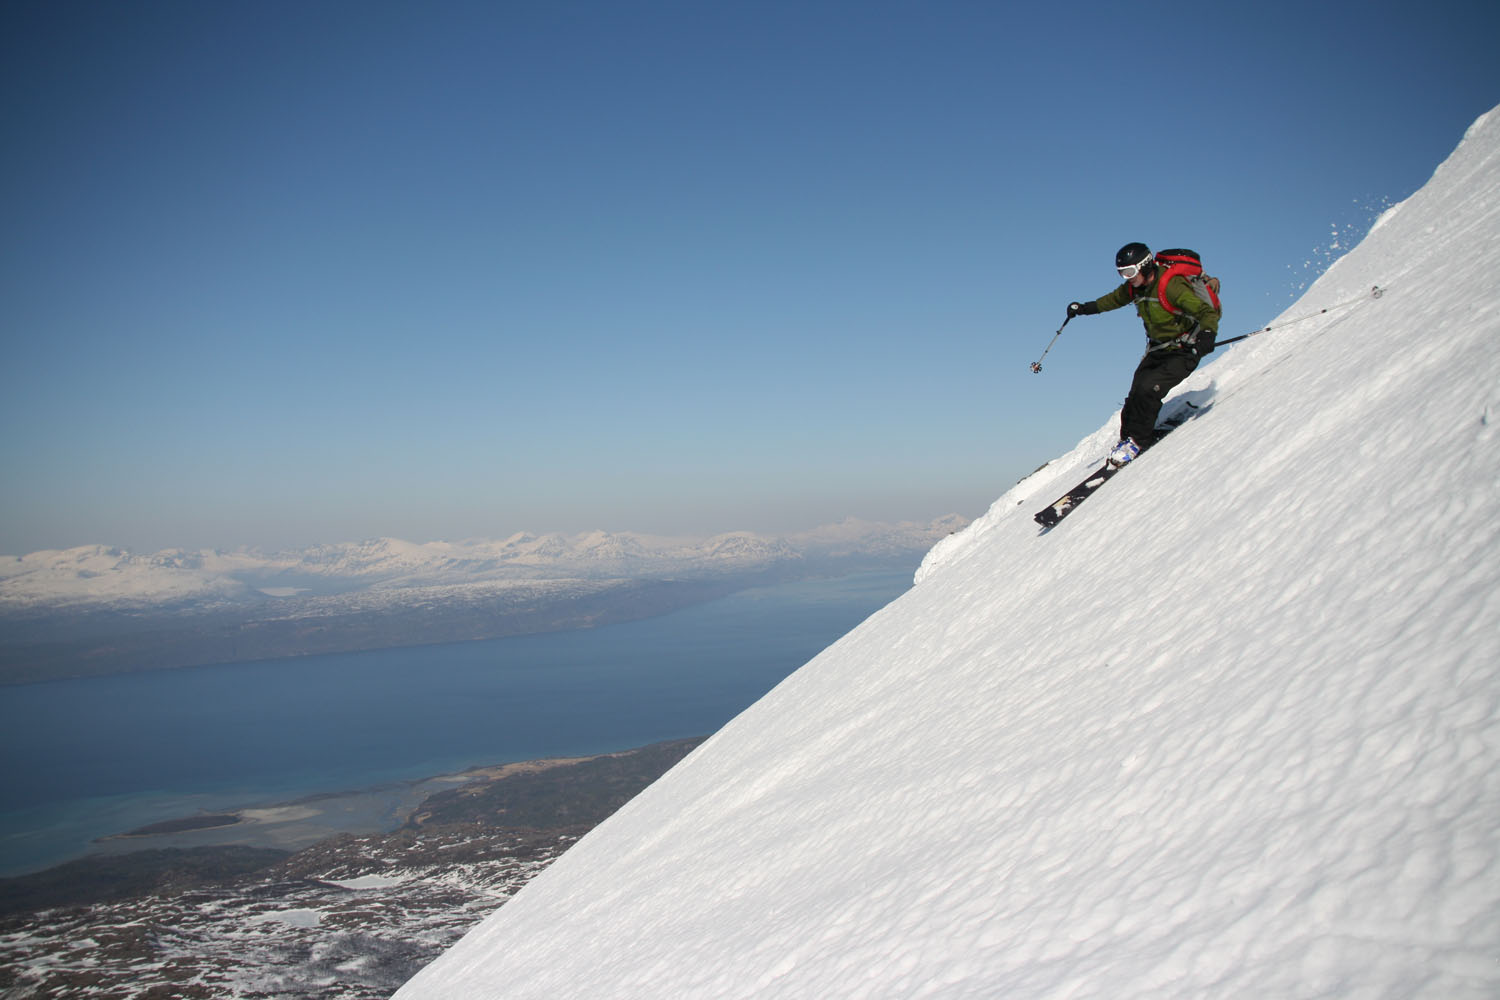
(305, 540)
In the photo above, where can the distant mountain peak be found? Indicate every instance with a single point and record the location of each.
(99, 575)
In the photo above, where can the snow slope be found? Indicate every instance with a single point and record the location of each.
(1228, 731)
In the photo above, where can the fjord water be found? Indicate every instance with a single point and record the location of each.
(99, 756)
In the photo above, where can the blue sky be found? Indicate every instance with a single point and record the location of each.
(278, 273)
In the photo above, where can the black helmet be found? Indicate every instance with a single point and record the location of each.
(1133, 257)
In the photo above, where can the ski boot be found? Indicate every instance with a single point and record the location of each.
(1124, 452)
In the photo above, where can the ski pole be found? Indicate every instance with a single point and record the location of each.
(1036, 366)
(1375, 293)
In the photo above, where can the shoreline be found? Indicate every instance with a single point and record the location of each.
(296, 824)
(508, 810)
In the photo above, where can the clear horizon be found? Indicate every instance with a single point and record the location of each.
(284, 274)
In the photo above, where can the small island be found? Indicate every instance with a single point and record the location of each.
(207, 821)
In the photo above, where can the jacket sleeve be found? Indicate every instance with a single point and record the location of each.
(1116, 299)
(1181, 295)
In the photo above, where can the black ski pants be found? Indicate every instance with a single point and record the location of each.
(1155, 376)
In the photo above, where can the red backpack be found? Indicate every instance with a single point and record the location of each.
(1186, 264)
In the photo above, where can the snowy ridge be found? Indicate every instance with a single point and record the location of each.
(1231, 730)
(97, 574)
(101, 574)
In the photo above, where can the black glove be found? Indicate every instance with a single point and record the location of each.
(1082, 309)
(1203, 344)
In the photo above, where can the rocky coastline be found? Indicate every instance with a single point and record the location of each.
(347, 917)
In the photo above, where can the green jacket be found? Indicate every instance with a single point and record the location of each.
(1163, 327)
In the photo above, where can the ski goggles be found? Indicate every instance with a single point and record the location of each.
(1131, 270)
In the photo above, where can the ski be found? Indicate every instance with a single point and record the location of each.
(1048, 516)
(1060, 508)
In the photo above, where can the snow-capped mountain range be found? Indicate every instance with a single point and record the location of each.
(95, 575)
(1231, 730)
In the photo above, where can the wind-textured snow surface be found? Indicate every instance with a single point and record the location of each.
(1230, 730)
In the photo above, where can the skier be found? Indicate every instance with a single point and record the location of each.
(1181, 327)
